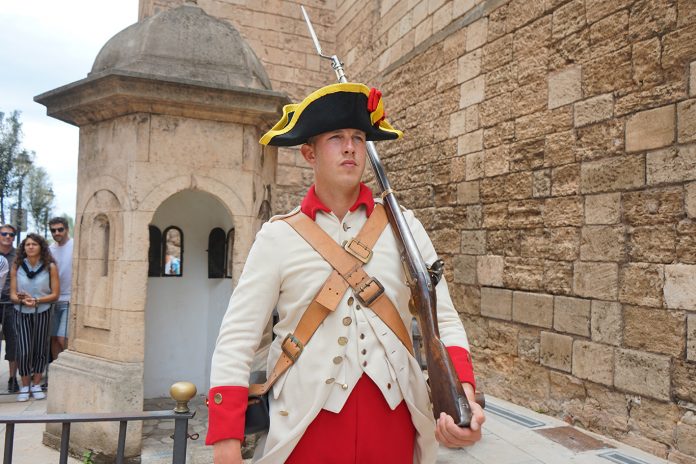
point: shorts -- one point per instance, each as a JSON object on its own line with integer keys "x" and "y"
{"x": 59, "y": 319}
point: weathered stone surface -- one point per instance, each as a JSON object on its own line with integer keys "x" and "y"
{"x": 496, "y": 303}
{"x": 541, "y": 183}
{"x": 684, "y": 380}
{"x": 473, "y": 242}
{"x": 533, "y": 309}
{"x": 474, "y": 165}
{"x": 476, "y": 34}
{"x": 600, "y": 140}
{"x": 686, "y": 242}
{"x": 593, "y": 110}
{"x": 650, "y": 129}
{"x": 556, "y": 351}
{"x": 692, "y": 79}
{"x": 647, "y": 71}
{"x": 652, "y": 244}
{"x": 691, "y": 337}
{"x": 465, "y": 269}
{"x": 568, "y": 18}
{"x": 565, "y": 180}
{"x": 502, "y": 337}
{"x": 680, "y": 286}
{"x": 558, "y": 277}
{"x": 565, "y": 387}
{"x": 653, "y": 207}
{"x": 489, "y": 269}
{"x": 685, "y": 433}
{"x": 523, "y": 273}
{"x": 686, "y": 121}
{"x": 571, "y": 315}
{"x": 602, "y": 243}
{"x": 611, "y": 174}
{"x": 496, "y": 160}
{"x": 496, "y": 110}
{"x": 513, "y": 186}
{"x": 495, "y": 215}
{"x": 641, "y": 284}
{"x": 690, "y": 200}
{"x": 603, "y": 209}
{"x": 496, "y": 54}
{"x": 559, "y": 149}
{"x": 472, "y": 92}
{"x": 654, "y": 420}
{"x": 607, "y": 322}
{"x": 651, "y": 17}
{"x": 671, "y": 165}
{"x": 468, "y": 193}
{"x": 525, "y": 214}
{"x": 469, "y": 66}
{"x": 470, "y": 143}
{"x": 610, "y": 33}
{"x": 593, "y": 362}
{"x": 564, "y": 86}
{"x": 607, "y": 73}
{"x": 642, "y": 373}
{"x": 559, "y": 243}
{"x": 639, "y": 330}
{"x": 598, "y": 9}
{"x": 564, "y": 211}
{"x": 596, "y": 280}
{"x": 526, "y": 155}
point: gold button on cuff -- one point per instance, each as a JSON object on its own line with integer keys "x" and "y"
{"x": 330, "y": 381}
{"x": 347, "y": 321}
{"x": 350, "y": 301}
{"x": 217, "y": 398}
{"x": 344, "y": 386}
{"x": 342, "y": 341}
{"x": 283, "y": 413}
{"x": 338, "y": 360}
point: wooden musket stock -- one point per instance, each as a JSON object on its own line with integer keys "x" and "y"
{"x": 447, "y": 393}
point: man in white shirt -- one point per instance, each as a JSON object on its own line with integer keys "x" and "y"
{"x": 62, "y": 251}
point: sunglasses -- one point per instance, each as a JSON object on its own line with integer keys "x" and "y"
{"x": 5, "y": 234}
{"x": 57, "y": 229}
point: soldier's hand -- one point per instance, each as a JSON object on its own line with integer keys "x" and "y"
{"x": 451, "y": 435}
{"x": 227, "y": 452}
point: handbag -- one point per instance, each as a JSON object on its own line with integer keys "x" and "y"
{"x": 257, "y": 418}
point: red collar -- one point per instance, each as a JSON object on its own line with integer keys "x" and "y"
{"x": 311, "y": 202}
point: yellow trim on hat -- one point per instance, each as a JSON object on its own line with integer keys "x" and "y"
{"x": 282, "y": 126}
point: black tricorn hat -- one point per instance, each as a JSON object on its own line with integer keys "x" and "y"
{"x": 337, "y": 106}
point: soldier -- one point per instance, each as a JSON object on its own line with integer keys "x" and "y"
{"x": 354, "y": 393}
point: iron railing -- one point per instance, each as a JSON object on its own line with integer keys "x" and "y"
{"x": 182, "y": 392}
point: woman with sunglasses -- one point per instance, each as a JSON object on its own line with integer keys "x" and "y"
{"x": 34, "y": 286}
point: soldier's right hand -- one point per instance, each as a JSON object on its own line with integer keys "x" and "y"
{"x": 227, "y": 452}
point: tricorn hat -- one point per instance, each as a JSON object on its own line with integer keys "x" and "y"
{"x": 337, "y": 106}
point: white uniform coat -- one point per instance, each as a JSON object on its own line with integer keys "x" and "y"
{"x": 282, "y": 271}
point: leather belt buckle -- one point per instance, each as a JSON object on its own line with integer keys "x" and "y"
{"x": 295, "y": 351}
{"x": 367, "y": 287}
{"x": 358, "y": 249}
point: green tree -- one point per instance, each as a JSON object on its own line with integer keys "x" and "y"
{"x": 39, "y": 192}
{"x": 10, "y": 149}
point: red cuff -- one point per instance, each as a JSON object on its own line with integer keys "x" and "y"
{"x": 226, "y": 410}
{"x": 461, "y": 360}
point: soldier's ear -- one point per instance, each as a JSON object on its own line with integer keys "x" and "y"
{"x": 308, "y": 153}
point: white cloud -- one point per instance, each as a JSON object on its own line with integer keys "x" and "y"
{"x": 53, "y": 43}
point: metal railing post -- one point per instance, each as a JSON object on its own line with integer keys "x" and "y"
{"x": 9, "y": 443}
{"x": 64, "y": 443}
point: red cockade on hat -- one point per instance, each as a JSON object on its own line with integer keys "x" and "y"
{"x": 373, "y": 103}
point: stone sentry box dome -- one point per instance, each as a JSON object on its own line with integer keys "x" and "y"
{"x": 171, "y": 112}
{"x": 184, "y": 44}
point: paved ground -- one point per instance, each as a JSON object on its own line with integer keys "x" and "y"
{"x": 512, "y": 435}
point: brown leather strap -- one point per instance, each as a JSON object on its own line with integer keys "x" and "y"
{"x": 368, "y": 290}
{"x": 322, "y": 305}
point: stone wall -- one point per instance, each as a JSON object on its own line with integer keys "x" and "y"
{"x": 550, "y": 150}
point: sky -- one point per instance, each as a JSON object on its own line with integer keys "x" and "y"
{"x": 45, "y": 44}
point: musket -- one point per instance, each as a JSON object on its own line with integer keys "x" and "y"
{"x": 446, "y": 390}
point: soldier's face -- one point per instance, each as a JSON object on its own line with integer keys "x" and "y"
{"x": 337, "y": 157}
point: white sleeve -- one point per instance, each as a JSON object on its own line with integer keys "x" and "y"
{"x": 452, "y": 331}
{"x": 4, "y": 270}
{"x": 248, "y": 312}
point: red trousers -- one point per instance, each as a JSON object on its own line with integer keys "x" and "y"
{"x": 366, "y": 431}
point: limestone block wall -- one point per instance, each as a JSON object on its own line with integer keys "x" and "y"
{"x": 550, "y": 150}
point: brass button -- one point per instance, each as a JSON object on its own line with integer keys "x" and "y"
{"x": 364, "y": 351}
{"x": 388, "y": 386}
{"x": 362, "y": 336}
{"x": 347, "y": 321}
{"x": 342, "y": 341}
{"x": 350, "y": 301}
{"x": 283, "y": 413}
{"x": 344, "y": 386}
{"x": 338, "y": 360}
{"x": 358, "y": 307}
{"x": 217, "y": 398}
{"x": 330, "y": 381}
{"x": 364, "y": 363}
